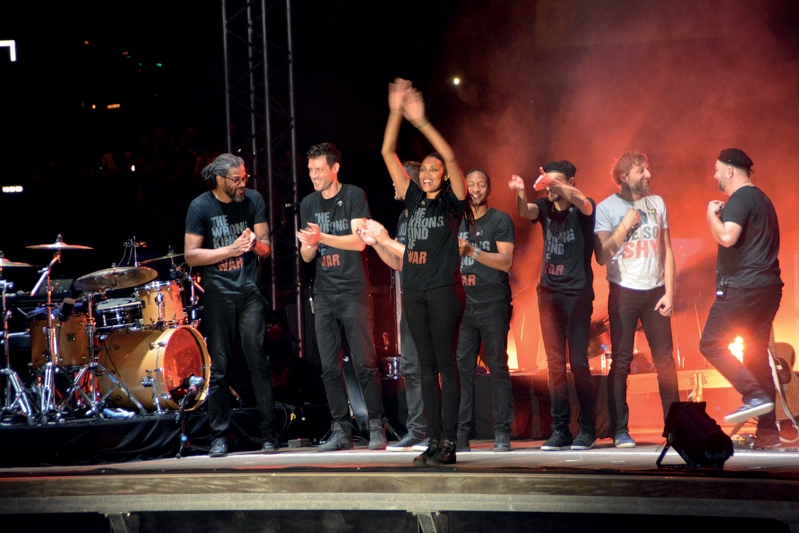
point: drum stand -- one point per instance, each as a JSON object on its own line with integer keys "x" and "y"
{"x": 94, "y": 369}
{"x": 16, "y": 397}
{"x": 47, "y": 388}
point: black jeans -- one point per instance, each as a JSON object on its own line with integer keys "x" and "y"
{"x": 487, "y": 322}
{"x": 747, "y": 313}
{"x": 434, "y": 317}
{"x": 225, "y": 315}
{"x": 565, "y": 321}
{"x": 626, "y": 307}
{"x": 338, "y": 312}
{"x": 412, "y": 374}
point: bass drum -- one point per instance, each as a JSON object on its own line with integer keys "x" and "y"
{"x": 133, "y": 356}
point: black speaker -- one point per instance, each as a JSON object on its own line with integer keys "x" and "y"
{"x": 695, "y": 436}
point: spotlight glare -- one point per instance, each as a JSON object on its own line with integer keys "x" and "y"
{"x": 133, "y": 168}
{"x": 456, "y": 81}
{"x": 12, "y": 189}
{"x": 113, "y": 106}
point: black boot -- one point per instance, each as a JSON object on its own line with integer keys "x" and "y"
{"x": 340, "y": 439}
{"x": 425, "y": 456}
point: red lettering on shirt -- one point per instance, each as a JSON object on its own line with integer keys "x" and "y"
{"x": 232, "y": 263}
{"x": 554, "y": 270}
{"x": 417, "y": 258}
{"x": 469, "y": 280}
{"x": 331, "y": 260}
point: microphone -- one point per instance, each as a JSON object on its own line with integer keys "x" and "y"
{"x": 66, "y": 309}
{"x": 194, "y": 383}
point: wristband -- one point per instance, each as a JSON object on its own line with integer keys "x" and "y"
{"x": 476, "y": 254}
{"x": 422, "y": 124}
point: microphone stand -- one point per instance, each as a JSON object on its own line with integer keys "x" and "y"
{"x": 195, "y": 382}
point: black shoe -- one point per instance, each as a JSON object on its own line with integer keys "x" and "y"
{"x": 445, "y": 455}
{"x": 218, "y": 447}
{"x": 759, "y": 405}
{"x": 340, "y": 439}
{"x": 271, "y": 444}
{"x": 560, "y": 439}
{"x": 502, "y": 442}
{"x": 425, "y": 456}
{"x": 583, "y": 441}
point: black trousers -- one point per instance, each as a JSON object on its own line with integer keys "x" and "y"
{"x": 225, "y": 315}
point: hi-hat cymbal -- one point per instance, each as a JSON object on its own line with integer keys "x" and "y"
{"x": 116, "y": 278}
{"x": 170, "y": 255}
{"x": 59, "y": 244}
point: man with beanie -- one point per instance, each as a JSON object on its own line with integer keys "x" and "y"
{"x": 748, "y": 291}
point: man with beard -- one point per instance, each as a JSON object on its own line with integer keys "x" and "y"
{"x": 331, "y": 217}
{"x": 748, "y": 291}
{"x": 227, "y": 233}
{"x": 632, "y": 239}
{"x": 565, "y": 296}
{"x": 486, "y": 249}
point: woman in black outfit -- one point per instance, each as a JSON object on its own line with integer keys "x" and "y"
{"x": 433, "y": 296}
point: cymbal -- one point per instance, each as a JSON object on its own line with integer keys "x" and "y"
{"x": 59, "y": 244}
{"x": 5, "y": 263}
{"x": 116, "y": 278}
{"x": 170, "y": 255}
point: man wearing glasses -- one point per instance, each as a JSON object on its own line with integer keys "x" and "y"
{"x": 227, "y": 233}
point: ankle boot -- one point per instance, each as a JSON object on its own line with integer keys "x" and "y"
{"x": 340, "y": 439}
{"x": 377, "y": 435}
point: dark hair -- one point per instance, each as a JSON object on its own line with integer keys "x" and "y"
{"x": 220, "y": 167}
{"x": 483, "y": 172}
{"x": 412, "y": 170}
{"x": 329, "y": 150}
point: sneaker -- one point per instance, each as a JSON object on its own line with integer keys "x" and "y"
{"x": 559, "y": 440}
{"x": 406, "y": 443}
{"x": 218, "y": 447}
{"x": 502, "y": 443}
{"x": 584, "y": 441}
{"x": 462, "y": 443}
{"x": 271, "y": 444}
{"x": 427, "y": 454}
{"x": 759, "y": 405}
{"x": 377, "y": 435}
{"x": 445, "y": 455}
{"x": 769, "y": 442}
{"x": 422, "y": 446}
{"x": 340, "y": 438}
{"x": 623, "y": 440}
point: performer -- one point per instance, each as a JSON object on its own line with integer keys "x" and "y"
{"x": 632, "y": 239}
{"x": 565, "y": 296}
{"x": 748, "y": 291}
{"x": 433, "y": 296}
{"x": 391, "y": 251}
{"x": 486, "y": 250}
{"x": 226, "y": 232}
{"x": 330, "y": 216}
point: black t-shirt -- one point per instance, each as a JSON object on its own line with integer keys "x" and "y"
{"x": 402, "y": 227}
{"x": 431, "y": 254}
{"x": 568, "y": 245}
{"x": 338, "y": 270}
{"x": 220, "y": 224}
{"x": 752, "y": 261}
{"x": 482, "y": 283}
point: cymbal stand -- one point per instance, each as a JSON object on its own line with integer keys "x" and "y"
{"x": 194, "y": 317}
{"x": 47, "y": 389}
{"x": 95, "y": 369}
{"x": 14, "y": 387}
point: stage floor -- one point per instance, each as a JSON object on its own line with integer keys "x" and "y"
{"x": 361, "y": 490}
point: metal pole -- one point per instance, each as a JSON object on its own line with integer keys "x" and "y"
{"x": 227, "y": 76}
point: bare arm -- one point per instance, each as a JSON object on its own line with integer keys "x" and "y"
{"x": 311, "y": 236}
{"x": 389, "y": 250}
{"x": 502, "y": 259}
{"x": 526, "y": 210}
{"x": 725, "y": 233}
{"x": 665, "y": 305}
{"x": 262, "y": 245}
{"x": 607, "y": 243}
{"x": 396, "y": 95}
{"x": 569, "y": 192}
{"x": 414, "y": 111}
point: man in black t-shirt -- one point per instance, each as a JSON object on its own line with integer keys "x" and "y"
{"x": 565, "y": 296}
{"x": 227, "y": 232}
{"x": 748, "y": 291}
{"x": 486, "y": 249}
{"x": 342, "y": 293}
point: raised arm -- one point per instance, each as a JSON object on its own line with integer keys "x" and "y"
{"x": 526, "y": 210}
{"x": 414, "y": 111}
{"x": 564, "y": 190}
{"x": 396, "y": 95}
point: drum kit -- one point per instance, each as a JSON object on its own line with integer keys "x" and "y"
{"x": 96, "y": 356}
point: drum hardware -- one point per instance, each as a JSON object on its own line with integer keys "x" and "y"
{"x": 134, "y": 245}
{"x": 16, "y": 397}
{"x": 194, "y": 383}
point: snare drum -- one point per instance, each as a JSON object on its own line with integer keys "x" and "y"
{"x": 172, "y": 303}
{"x": 155, "y": 361}
{"x": 73, "y": 343}
{"x": 116, "y": 313}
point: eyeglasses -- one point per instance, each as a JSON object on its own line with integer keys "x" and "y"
{"x": 239, "y": 181}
